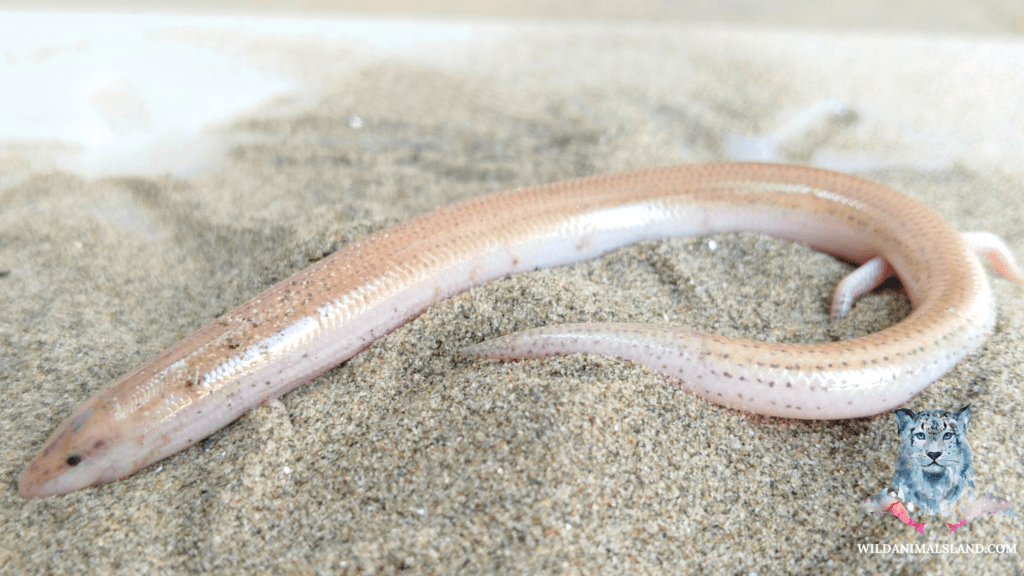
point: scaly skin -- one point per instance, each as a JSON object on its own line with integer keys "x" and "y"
{"x": 326, "y": 314}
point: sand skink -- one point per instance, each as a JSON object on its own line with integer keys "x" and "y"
{"x": 329, "y": 312}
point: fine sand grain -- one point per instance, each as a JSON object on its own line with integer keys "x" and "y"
{"x": 408, "y": 459}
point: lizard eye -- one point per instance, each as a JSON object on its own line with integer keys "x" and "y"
{"x": 73, "y": 459}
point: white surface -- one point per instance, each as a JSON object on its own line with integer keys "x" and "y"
{"x": 149, "y": 94}
{"x": 143, "y": 94}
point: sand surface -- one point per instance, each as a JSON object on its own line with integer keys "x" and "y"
{"x": 407, "y": 459}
